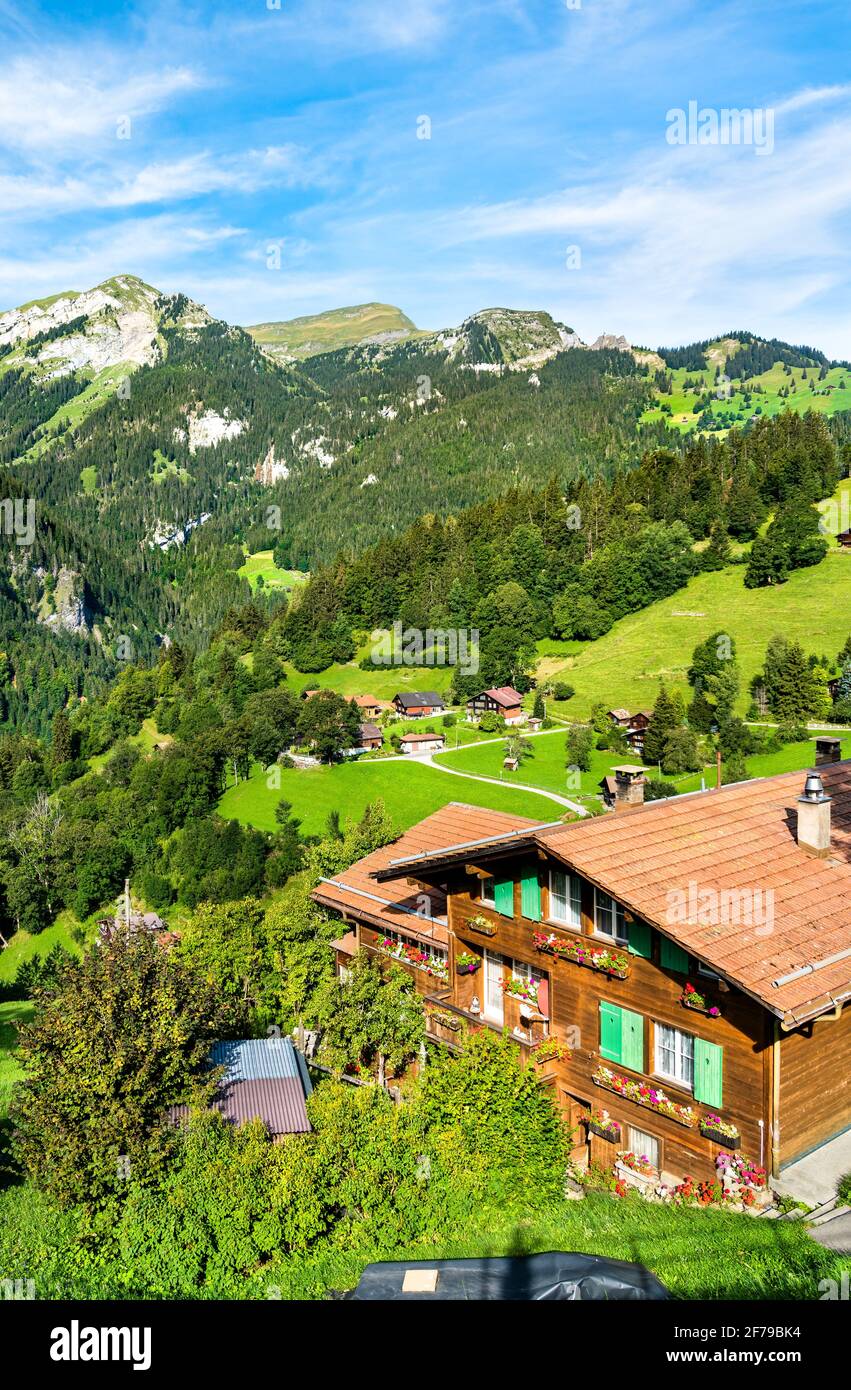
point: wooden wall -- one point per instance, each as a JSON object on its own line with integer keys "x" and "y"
{"x": 815, "y": 1084}
{"x": 575, "y": 996}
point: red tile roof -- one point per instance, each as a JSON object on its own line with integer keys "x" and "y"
{"x": 505, "y": 695}
{"x": 739, "y": 841}
{"x": 356, "y": 893}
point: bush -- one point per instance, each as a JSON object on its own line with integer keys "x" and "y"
{"x": 450, "y": 720}
{"x": 563, "y": 691}
{"x": 658, "y": 790}
{"x": 843, "y": 1190}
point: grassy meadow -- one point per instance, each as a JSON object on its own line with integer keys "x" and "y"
{"x": 409, "y": 790}
{"x": 625, "y": 667}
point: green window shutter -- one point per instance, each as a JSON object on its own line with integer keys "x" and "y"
{"x": 610, "y": 1031}
{"x": 708, "y": 1070}
{"x": 632, "y": 1040}
{"x": 530, "y": 898}
{"x": 640, "y": 939}
{"x": 674, "y": 957}
{"x": 503, "y": 898}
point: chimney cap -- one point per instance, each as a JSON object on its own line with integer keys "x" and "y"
{"x": 814, "y": 789}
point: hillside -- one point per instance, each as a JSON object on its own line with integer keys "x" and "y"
{"x": 624, "y": 667}
{"x": 295, "y": 339}
{"x": 724, "y": 382}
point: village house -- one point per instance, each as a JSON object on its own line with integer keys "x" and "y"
{"x": 418, "y": 704}
{"x": 422, "y": 743}
{"x": 683, "y": 966}
{"x": 632, "y": 726}
{"x": 502, "y": 700}
{"x": 370, "y": 736}
{"x": 370, "y": 707}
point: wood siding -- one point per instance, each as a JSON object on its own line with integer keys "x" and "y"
{"x": 815, "y": 1085}
{"x": 576, "y": 993}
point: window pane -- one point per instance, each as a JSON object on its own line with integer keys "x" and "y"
{"x": 643, "y": 1145}
{"x": 487, "y": 891}
{"x": 674, "y": 1054}
{"x": 603, "y": 914}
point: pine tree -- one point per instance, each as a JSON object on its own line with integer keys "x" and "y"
{"x": 662, "y": 722}
{"x": 63, "y": 744}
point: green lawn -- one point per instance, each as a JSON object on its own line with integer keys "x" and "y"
{"x": 380, "y": 681}
{"x": 22, "y": 946}
{"x": 11, "y": 1015}
{"x": 626, "y": 666}
{"x": 697, "y": 1254}
{"x": 260, "y": 565}
{"x": 547, "y": 766}
{"x": 409, "y": 790}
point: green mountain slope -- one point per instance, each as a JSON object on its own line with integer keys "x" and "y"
{"x": 295, "y": 339}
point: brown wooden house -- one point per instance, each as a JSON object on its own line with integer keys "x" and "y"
{"x": 503, "y": 700}
{"x": 693, "y": 957}
{"x": 418, "y": 704}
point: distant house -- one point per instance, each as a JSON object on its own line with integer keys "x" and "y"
{"x": 844, "y": 539}
{"x": 502, "y": 699}
{"x": 422, "y": 743}
{"x": 621, "y": 717}
{"x": 371, "y": 708}
{"x": 637, "y": 730}
{"x": 418, "y": 704}
{"x": 370, "y": 736}
{"x": 264, "y": 1079}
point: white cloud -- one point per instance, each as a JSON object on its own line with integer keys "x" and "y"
{"x": 52, "y": 102}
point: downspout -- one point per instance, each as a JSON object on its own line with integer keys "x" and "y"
{"x": 775, "y": 1101}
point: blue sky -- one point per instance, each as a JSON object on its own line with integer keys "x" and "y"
{"x": 181, "y": 142}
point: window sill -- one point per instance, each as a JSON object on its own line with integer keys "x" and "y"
{"x": 671, "y": 1081}
{"x": 621, "y": 942}
{"x": 562, "y": 926}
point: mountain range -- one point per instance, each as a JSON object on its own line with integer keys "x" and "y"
{"x": 160, "y": 445}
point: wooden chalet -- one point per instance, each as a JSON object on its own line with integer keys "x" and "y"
{"x": 371, "y": 708}
{"x": 370, "y": 736}
{"x": 686, "y": 959}
{"x": 418, "y": 704}
{"x": 844, "y": 539}
{"x": 502, "y": 699}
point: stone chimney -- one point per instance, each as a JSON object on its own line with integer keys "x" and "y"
{"x": 630, "y": 781}
{"x": 814, "y": 817}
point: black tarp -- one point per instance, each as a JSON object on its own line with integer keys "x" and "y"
{"x": 554, "y": 1275}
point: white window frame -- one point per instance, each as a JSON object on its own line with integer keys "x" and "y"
{"x": 571, "y": 897}
{"x": 487, "y": 892}
{"x": 679, "y": 1047}
{"x": 705, "y": 971}
{"x": 616, "y": 914}
{"x": 647, "y": 1147}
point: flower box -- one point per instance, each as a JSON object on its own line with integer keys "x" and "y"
{"x": 606, "y": 1132}
{"x": 646, "y": 1095}
{"x": 549, "y": 1051}
{"x": 691, "y": 998}
{"x": 450, "y": 1021}
{"x": 467, "y": 964}
{"x": 524, "y": 991}
{"x": 413, "y": 955}
{"x": 481, "y": 924}
{"x": 612, "y": 963}
{"x": 720, "y": 1132}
